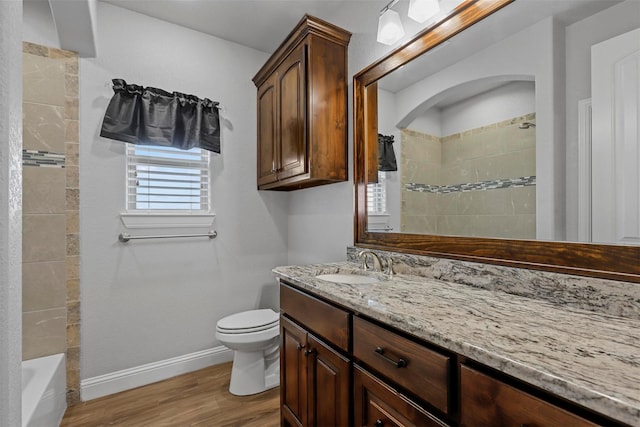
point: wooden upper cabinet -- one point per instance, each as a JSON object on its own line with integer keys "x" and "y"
{"x": 267, "y": 132}
{"x": 302, "y": 109}
{"x": 292, "y": 123}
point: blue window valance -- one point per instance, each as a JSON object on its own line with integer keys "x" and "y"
{"x": 152, "y": 116}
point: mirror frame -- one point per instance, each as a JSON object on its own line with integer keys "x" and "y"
{"x": 617, "y": 262}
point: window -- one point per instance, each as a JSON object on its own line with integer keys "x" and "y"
{"x": 377, "y": 196}
{"x": 167, "y": 179}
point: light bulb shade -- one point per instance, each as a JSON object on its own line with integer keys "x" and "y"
{"x": 389, "y": 27}
{"x": 421, "y": 10}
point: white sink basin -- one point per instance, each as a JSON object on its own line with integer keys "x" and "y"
{"x": 350, "y": 279}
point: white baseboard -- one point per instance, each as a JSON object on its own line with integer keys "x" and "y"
{"x": 126, "y": 379}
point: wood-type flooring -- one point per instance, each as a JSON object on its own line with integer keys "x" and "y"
{"x": 199, "y": 398}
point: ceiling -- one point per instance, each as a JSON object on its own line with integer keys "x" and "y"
{"x": 506, "y": 22}
{"x": 260, "y": 24}
{"x": 264, "y": 24}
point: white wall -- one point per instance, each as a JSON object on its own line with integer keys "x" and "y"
{"x": 38, "y": 26}
{"x": 580, "y": 37}
{"x": 10, "y": 213}
{"x": 503, "y": 103}
{"x": 151, "y": 300}
{"x": 430, "y": 122}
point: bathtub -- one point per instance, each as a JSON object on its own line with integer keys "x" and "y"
{"x": 44, "y": 390}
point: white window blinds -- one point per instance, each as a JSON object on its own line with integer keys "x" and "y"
{"x": 377, "y": 196}
{"x": 167, "y": 179}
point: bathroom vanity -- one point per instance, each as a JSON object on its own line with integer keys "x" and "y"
{"x": 413, "y": 350}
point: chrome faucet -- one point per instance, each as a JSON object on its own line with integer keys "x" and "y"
{"x": 377, "y": 265}
{"x": 389, "y": 271}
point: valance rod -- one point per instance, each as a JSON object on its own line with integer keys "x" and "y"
{"x": 220, "y": 106}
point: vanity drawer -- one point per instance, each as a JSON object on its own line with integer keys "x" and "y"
{"x": 377, "y": 404}
{"x": 488, "y": 401}
{"x": 327, "y": 321}
{"x": 420, "y": 370}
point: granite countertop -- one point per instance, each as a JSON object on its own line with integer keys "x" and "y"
{"x": 589, "y": 358}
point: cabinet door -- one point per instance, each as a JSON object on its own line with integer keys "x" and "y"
{"x": 329, "y": 386}
{"x": 293, "y": 373}
{"x": 378, "y": 405}
{"x": 292, "y": 97}
{"x": 488, "y": 401}
{"x": 267, "y": 132}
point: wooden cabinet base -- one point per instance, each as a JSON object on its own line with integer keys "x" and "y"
{"x": 487, "y": 401}
{"x": 378, "y": 405}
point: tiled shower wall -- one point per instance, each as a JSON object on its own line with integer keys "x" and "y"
{"x": 477, "y": 183}
{"x": 51, "y": 308}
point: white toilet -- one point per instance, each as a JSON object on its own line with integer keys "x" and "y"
{"x": 254, "y": 337}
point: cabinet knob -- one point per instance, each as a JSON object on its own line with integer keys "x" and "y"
{"x": 309, "y": 351}
{"x": 300, "y": 347}
{"x": 378, "y": 423}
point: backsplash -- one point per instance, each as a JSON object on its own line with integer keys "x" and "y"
{"x": 611, "y": 297}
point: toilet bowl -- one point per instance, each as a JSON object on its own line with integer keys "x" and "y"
{"x": 254, "y": 338}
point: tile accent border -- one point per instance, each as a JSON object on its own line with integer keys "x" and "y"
{"x": 494, "y": 184}
{"x": 68, "y": 161}
{"x": 42, "y": 159}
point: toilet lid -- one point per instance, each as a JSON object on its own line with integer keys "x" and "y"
{"x": 249, "y": 321}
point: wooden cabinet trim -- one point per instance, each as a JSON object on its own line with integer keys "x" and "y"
{"x": 486, "y": 400}
{"x": 416, "y": 368}
{"x": 307, "y": 25}
{"x": 371, "y": 394}
{"x": 293, "y": 374}
{"x": 329, "y": 375}
{"x": 291, "y": 137}
{"x": 327, "y": 321}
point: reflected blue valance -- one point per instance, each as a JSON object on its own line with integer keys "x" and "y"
{"x": 152, "y": 116}
{"x": 386, "y": 155}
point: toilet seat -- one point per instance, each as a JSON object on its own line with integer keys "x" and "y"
{"x": 248, "y": 322}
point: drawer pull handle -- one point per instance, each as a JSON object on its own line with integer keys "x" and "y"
{"x": 378, "y": 423}
{"x": 401, "y": 363}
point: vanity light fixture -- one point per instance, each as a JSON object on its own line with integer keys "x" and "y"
{"x": 421, "y": 10}
{"x": 389, "y": 26}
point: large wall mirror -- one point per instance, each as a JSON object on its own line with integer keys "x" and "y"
{"x": 507, "y": 132}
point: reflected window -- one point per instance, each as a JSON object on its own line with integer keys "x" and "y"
{"x": 377, "y": 196}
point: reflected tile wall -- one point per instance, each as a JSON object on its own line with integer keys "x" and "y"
{"x": 51, "y": 289}
{"x": 480, "y": 182}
